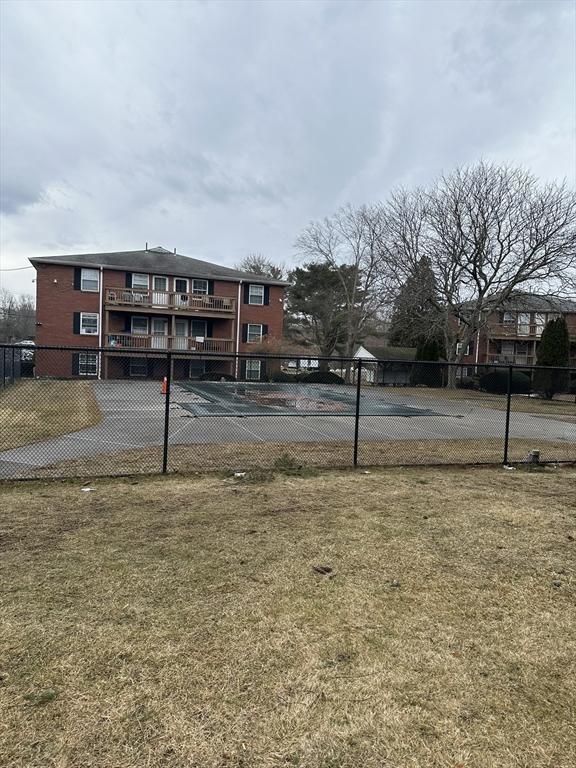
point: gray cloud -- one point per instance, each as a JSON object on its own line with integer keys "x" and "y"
{"x": 223, "y": 128}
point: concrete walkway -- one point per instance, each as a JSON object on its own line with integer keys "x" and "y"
{"x": 133, "y": 417}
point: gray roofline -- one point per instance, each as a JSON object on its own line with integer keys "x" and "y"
{"x": 236, "y": 276}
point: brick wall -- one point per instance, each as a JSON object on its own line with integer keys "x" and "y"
{"x": 57, "y": 300}
{"x": 271, "y": 315}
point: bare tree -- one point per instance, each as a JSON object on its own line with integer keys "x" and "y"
{"x": 487, "y": 231}
{"x": 350, "y": 239}
{"x": 258, "y": 264}
{"x": 17, "y": 317}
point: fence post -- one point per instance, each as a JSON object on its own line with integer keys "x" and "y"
{"x": 357, "y": 418}
{"x": 508, "y": 402}
{"x": 167, "y": 412}
{"x": 3, "y": 367}
{"x": 13, "y": 368}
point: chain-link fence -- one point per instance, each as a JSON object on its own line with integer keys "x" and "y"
{"x": 89, "y": 412}
{"x": 12, "y": 362}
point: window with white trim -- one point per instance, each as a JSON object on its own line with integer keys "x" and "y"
{"x": 88, "y": 323}
{"x": 459, "y": 346}
{"x": 90, "y": 280}
{"x": 253, "y": 368}
{"x": 199, "y": 286}
{"x": 256, "y": 294}
{"x": 87, "y": 364}
{"x": 140, "y": 325}
{"x": 254, "y": 332}
{"x": 139, "y": 281}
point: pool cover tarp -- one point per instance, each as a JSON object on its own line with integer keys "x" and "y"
{"x": 264, "y": 399}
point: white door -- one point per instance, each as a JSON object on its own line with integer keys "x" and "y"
{"x": 181, "y": 340}
{"x": 159, "y": 291}
{"x": 181, "y": 290}
{"x": 540, "y": 320}
{"x": 523, "y": 323}
{"x": 159, "y": 333}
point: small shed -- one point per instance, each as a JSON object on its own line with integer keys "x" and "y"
{"x": 387, "y": 366}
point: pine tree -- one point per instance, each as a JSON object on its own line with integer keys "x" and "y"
{"x": 428, "y": 375}
{"x": 553, "y": 350}
{"x": 416, "y": 317}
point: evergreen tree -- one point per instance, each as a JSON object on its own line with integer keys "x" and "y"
{"x": 416, "y": 317}
{"x": 553, "y": 350}
{"x": 427, "y": 375}
{"x": 317, "y": 306}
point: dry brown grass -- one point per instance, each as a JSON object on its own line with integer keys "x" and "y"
{"x": 179, "y": 622}
{"x": 561, "y": 405}
{"x": 239, "y": 456}
{"x": 31, "y": 411}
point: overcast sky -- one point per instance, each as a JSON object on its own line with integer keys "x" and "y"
{"x": 222, "y": 128}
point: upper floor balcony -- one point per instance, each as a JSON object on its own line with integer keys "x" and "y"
{"x": 520, "y": 330}
{"x": 170, "y": 301}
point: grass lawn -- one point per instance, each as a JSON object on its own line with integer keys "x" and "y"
{"x": 239, "y": 456}
{"x": 561, "y": 405}
{"x": 397, "y": 619}
{"x": 39, "y": 409}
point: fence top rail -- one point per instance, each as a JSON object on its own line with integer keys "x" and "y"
{"x": 286, "y": 356}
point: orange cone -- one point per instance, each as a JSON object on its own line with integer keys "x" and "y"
{"x": 164, "y": 385}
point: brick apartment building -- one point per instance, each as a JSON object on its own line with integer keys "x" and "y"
{"x": 511, "y": 335}
{"x": 151, "y": 301}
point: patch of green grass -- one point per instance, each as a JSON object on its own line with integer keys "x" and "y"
{"x": 39, "y": 698}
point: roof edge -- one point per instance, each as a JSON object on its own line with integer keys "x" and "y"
{"x": 71, "y": 262}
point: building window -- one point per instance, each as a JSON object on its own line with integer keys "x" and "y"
{"x": 199, "y": 286}
{"x": 509, "y": 318}
{"x": 254, "y": 332}
{"x": 139, "y": 281}
{"x": 88, "y": 323}
{"x": 87, "y": 365}
{"x": 468, "y": 350}
{"x": 256, "y": 294}
{"x": 140, "y": 326}
{"x": 253, "y": 369}
{"x": 90, "y": 280}
{"x": 138, "y": 366}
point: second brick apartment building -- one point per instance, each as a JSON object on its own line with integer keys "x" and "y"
{"x": 151, "y": 301}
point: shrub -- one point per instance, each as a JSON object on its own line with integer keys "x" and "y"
{"x": 497, "y": 382}
{"x": 217, "y": 376}
{"x": 553, "y": 350}
{"x": 281, "y": 377}
{"x": 426, "y": 375}
{"x": 321, "y": 377}
{"x": 468, "y": 382}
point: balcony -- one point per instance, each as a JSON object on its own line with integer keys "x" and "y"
{"x": 512, "y": 359}
{"x": 132, "y": 341}
{"x": 515, "y": 330}
{"x": 519, "y": 331}
{"x": 169, "y": 301}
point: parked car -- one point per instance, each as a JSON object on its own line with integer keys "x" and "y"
{"x": 26, "y": 354}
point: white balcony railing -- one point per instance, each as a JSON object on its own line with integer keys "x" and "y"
{"x": 170, "y": 300}
{"x": 131, "y": 341}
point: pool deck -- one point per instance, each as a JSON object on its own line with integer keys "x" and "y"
{"x": 133, "y": 417}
